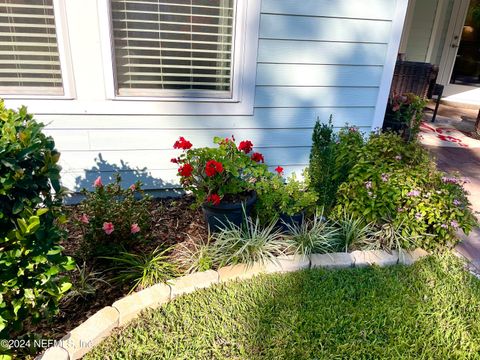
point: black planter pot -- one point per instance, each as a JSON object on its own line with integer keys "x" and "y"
{"x": 217, "y": 217}
{"x": 292, "y": 220}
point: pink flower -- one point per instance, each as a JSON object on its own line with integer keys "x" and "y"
{"x": 454, "y": 224}
{"x": 108, "y": 227}
{"x": 134, "y": 228}
{"x": 84, "y": 219}
{"x": 457, "y": 202}
{"x": 368, "y": 184}
{"x": 385, "y": 177}
{"x": 133, "y": 187}
{"x": 398, "y": 157}
{"x": 98, "y": 182}
{"x": 413, "y": 193}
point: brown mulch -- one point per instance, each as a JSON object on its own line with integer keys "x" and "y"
{"x": 174, "y": 221}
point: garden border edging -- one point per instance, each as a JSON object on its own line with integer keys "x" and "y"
{"x": 82, "y": 339}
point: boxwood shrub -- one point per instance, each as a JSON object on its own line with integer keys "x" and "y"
{"x": 32, "y": 267}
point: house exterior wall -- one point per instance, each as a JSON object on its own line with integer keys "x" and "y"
{"x": 315, "y": 58}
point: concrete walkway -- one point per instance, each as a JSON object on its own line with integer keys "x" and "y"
{"x": 466, "y": 161}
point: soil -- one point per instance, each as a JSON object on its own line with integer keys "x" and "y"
{"x": 174, "y": 221}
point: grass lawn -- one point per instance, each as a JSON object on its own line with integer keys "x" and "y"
{"x": 428, "y": 311}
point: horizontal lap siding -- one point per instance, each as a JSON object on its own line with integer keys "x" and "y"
{"x": 315, "y": 58}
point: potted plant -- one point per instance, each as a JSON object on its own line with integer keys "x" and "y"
{"x": 221, "y": 178}
{"x": 404, "y": 115}
{"x": 286, "y": 201}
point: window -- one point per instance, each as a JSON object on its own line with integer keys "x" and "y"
{"x": 200, "y": 51}
{"x": 29, "y": 55}
{"x": 173, "y": 45}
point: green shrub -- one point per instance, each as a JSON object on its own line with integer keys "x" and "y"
{"x": 396, "y": 182}
{"x": 113, "y": 219}
{"x": 142, "y": 270}
{"x": 404, "y": 115}
{"x": 32, "y": 267}
{"x": 277, "y": 196}
{"x": 331, "y": 158}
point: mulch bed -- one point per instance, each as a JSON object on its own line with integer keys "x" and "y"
{"x": 174, "y": 221}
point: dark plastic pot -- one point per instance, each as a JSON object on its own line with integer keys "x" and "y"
{"x": 292, "y": 220}
{"x": 217, "y": 217}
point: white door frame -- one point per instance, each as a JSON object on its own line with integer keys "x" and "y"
{"x": 452, "y": 40}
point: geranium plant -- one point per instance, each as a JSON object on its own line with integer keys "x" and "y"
{"x": 405, "y": 111}
{"x": 226, "y": 173}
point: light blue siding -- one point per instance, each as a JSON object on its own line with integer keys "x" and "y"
{"x": 315, "y": 58}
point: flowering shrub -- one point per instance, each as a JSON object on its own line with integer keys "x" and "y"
{"x": 112, "y": 219}
{"x": 404, "y": 114}
{"x": 396, "y": 182}
{"x": 224, "y": 173}
{"x": 32, "y": 268}
{"x": 277, "y": 196}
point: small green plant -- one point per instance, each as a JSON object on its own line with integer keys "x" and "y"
{"x": 279, "y": 197}
{"x": 404, "y": 114}
{"x": 85, "y": 282}
{"x": 331, "y": 158}
{"x": 142, "y": 270}
{"x": 194, "y": 256}
{"x": 389, "y": 236}
{"x": 113, "y": 218}
{"x": 351, "y": 231}
{"x": 33, "y": 271}
{"x": 314, "y": 235}
{"x": 247, "y": 244}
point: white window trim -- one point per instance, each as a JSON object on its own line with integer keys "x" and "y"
{"x": 242, "y": 99}
{"x": 65, "y": 58}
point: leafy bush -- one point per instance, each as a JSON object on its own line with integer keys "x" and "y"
{"x": 142, "y": 270}
{"x": 331, "y": 158}
{"x": 404, "y": 115}
{"x": 32, "y": 267}
{"x": 113, "y": 219}
{"x": 312, "y": 236}
{"x": 396, "y": 182}
{"x": 247, "y": 244}
{"x": 277, "y": 196}
{"x": 224, "y": 173}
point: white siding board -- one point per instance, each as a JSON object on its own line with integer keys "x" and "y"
{"x": 367, "y": 9}
{"x": 318, "y": 52}
{"x": 325, "y": 29}
{"x": 267, "y": 96}
{"x": 264, "y": 118}
{"x": 318, "y": 75}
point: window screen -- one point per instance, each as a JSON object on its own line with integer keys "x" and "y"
{"x": 180, "y": 45}
{"x": 29, "y": 59}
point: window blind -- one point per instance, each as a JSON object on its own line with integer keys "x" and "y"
{"x": 180, "y": 45}
{"x": 29, "y": 59}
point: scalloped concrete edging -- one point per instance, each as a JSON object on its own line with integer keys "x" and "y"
{"x": 91, "y": 332}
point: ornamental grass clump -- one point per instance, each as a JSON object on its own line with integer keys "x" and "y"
{"x": 226, "y": 173}
{"x": 247, "y": 244}
{"x": 33, "y": 271}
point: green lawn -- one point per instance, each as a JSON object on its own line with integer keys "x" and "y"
{"x": 428, "y": 311}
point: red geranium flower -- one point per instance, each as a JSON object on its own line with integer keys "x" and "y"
{"x": 185, "y": 170}
{"x": 279, "y": 170}
{"x": 213, "y": 167}
{"x": 213, "y": 199}
{"x": 174, "y": 160}
{"x": 257, "y": 157}
{"x": 183, "y": 144}
{"x": 245, "y": 146}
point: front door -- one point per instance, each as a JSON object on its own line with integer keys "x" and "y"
{"x": 460, "y": 64}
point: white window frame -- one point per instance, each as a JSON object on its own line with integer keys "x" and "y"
{"x": 65, "y": 59}
{"x": 241, "y": 101}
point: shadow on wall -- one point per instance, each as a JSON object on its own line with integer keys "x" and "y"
{"x": 152, "y": 185}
